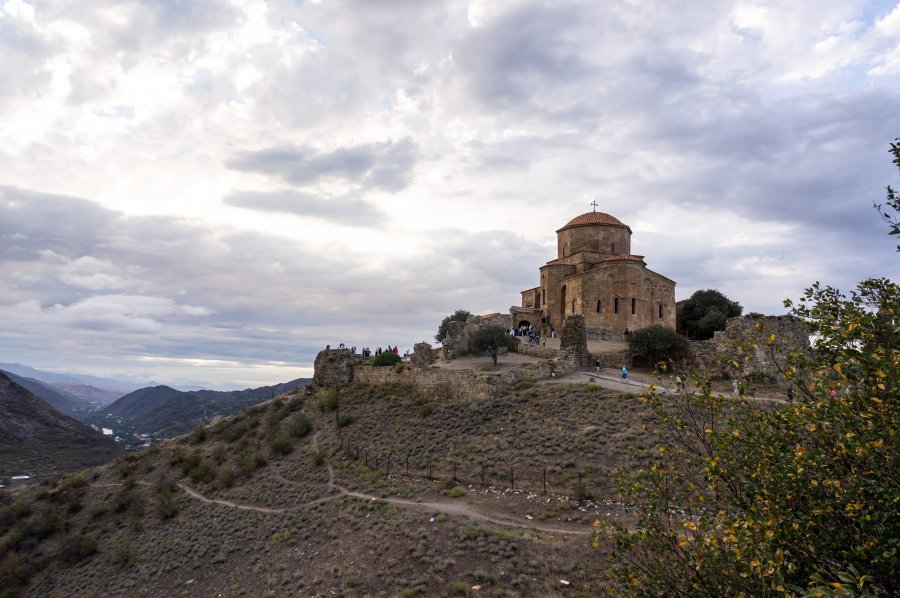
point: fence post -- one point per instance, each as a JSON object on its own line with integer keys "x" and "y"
{"x": 482, "y": 473}
{"x": 407, "y": 464}
{"x": 545, "y": 481}
{"x": 429, "y": 467}
{"x": 387, "y": 470}
{"x": 454, "y": 471}
{"x": 512, "y": 476}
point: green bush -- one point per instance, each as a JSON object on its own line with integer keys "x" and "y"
{"x": 204, "y": 471}
{"x": 282, "y": 443}
{"x": 705, "y": 312}
{"x": 657, "y": 343}
{"x": 329, "y": 400}
{"x": 386, "y": 358}
{"x": 346, "y": 420}
{"x": 426, "y": 410}
{"x": 76, "y": 547}
{"x": 300, "y": 425}
{"x": 457, "y": 492}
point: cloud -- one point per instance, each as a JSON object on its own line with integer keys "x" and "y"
{"x": 341, "y": 210}
{"x": 386, "y": 166}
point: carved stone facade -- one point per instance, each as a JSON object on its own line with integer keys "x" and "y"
{"x": 596, "y": 276}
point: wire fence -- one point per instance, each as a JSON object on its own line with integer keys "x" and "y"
{"x": 538, "y": 478}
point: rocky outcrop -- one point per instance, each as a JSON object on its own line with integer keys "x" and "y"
{"x": 422, "y": 355}
{"x": 333, "y": 368}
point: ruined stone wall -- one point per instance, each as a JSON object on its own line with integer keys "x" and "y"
{"x": 717, "y": 357}
{"x": 462, "y": 385}
{"x": 333, "y": 367}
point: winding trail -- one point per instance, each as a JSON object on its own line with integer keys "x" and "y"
{"x": 460, "y": 509}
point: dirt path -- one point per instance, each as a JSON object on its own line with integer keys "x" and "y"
{"x": 460, "y": 509}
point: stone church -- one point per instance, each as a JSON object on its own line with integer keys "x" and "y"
{"x": 596, "y": 275}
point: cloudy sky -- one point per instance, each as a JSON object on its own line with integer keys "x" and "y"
{"x": 209, "y": 191}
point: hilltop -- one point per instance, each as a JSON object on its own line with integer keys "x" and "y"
{"x": 38, "y": 440}
{"x": 315, "y": 493}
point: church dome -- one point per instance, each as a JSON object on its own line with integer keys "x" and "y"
{"x": 594, "y": 219}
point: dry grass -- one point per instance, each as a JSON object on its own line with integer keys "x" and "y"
{"x": 125, "y": 529}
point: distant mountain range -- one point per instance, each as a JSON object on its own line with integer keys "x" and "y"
{"x": 38, "y": 440}
{"x": 109, "y": 384}
{"x": 164, "y": 411}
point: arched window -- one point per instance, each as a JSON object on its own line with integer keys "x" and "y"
{"x": 616, "y": 305}
{"x": 543, "y": 297}
{"x": 573, "y": 306}
{"x": 562, "y": 299}
{"x": 633, "y": 305}
{"x": 599, "y": 305}
{"x": 660, "y": 311}
{"x": 612, "y": 249}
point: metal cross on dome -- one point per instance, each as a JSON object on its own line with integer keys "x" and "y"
{"x": 594, "y": 203}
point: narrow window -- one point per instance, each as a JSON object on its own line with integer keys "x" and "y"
{"x": 612, "y": 249}
{"x": 660, "y": 311}
{"x": 543, "y": 297}
{"x": 616, "y": 305}
{"x": 633, "y": 305}
{"x": 599, "y": 305}
{"x": 573, "y": 306}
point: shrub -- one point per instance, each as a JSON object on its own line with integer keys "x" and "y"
{"x": 345, "y": 420}
{"x": 318, "y": 457}
{"x": 457, "y": 492}
{"x": 204, "y": 471}
{"x": 657, "y": 343}
{"x": 386, "y": 358}
{"x": 281, "y": 443}
{"x": 329, "y": 400}
{"x": 76, "y": 547}
{"x": 300, "y": 425}
{"x": 493, "y": 338}
{"x": 198, "y": 435}
{"x": 426, "y": 410}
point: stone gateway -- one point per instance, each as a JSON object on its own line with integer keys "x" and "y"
{"x": 595, "y": 275}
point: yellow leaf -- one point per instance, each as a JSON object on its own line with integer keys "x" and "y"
{"x": 837, "y": 368}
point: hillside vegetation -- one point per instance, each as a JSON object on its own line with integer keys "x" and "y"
{"x": 38, "y": 440}
{"x": 297, "y": 496}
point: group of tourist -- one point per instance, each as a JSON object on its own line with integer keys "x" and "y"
{"x": 534, "y": 337}
{"x": 367, "y": 352}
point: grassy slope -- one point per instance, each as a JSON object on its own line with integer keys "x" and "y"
{"x": 153, "y": 539}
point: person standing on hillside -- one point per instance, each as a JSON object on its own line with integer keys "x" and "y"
{"x": 598, "y": 364}
{"x": 624, "y": 373}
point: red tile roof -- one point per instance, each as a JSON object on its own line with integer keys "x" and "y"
{"x": 593, "y": 219}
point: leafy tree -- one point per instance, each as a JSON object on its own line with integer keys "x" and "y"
{"x": 799, "y": 499}
{"x": 705, "y": 312}
{"x": 657, "y": 343}
{"x": 460, "y": 315}
{"x": 493, "y": 338}
{"x": 893, "y": 198}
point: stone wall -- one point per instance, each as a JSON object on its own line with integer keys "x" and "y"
{"x": 463, "y": 385}
{"x": 717, "y": 357}
{"x": 336, "y": 368}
